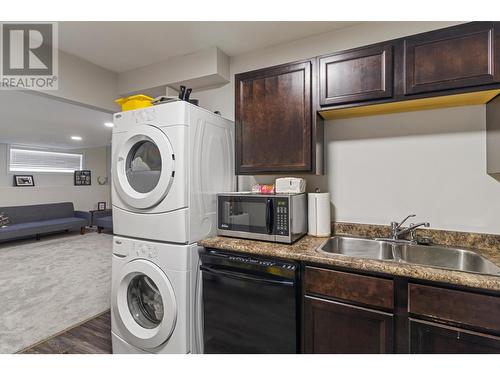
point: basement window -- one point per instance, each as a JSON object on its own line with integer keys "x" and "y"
{"x": 26, "y": 160}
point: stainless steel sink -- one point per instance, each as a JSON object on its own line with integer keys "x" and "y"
{"x": 358, "y": 247}
{"x": 434, "y": 256}
{"x": 445, "y": 257}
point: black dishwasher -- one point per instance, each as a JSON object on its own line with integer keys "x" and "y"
{"x": 249, "y": 304}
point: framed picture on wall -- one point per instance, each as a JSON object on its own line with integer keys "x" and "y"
{"x": 23, "y": 180}
{"x": 101, "y": 206}
{"x": 82, "y": 178}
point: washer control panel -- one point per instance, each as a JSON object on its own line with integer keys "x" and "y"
{"x": 145, "y": 250}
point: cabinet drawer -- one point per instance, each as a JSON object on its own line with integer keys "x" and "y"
{"x": 468, "y": 308}
{"x": 367, "y": 290}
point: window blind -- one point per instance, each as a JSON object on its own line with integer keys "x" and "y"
{"x": 23, "y": 160}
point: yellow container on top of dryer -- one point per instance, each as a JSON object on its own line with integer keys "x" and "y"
{"x": 134, "y": 102}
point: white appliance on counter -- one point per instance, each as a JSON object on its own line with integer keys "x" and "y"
{"x": 290, "y": 185}
{"x": 168, "y": 163}
{"x": 318, "y": 213}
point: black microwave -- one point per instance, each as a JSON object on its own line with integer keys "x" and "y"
{"x": 267, "y": 217}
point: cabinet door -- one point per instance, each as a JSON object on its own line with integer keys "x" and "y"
{"x": 433, "y": 338}
{"x": 451, "y": 58}
{"x": 337, "y": 328}
{"x": 356, "y": 76}
{"x": 273, "y": 114}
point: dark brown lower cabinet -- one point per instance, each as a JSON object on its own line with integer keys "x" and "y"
{"x": 337, "y": 328}
{"x": 433, "y": 338}
{"x": 351, "y": 313}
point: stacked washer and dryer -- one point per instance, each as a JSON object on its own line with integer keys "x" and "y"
{"x": 168, "y": 163}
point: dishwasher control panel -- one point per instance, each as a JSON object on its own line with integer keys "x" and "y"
{"x": 261, "y": 262}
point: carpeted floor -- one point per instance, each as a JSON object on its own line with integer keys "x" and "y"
{"x": 49, "y": 285}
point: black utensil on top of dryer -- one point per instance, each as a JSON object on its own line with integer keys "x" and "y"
{"x": 187, "y": 94}
{"x": 182, "y": 92}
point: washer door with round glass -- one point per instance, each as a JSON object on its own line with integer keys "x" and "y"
{"x": 144, "y": 304}
{"x": 144, "y": 166}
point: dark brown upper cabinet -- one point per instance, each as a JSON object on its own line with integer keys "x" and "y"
{"x": 457, "y": 57}
{"x": 358, "y": 75}
{"x": 279, "y": 111}
{"x": 275, "y": 128}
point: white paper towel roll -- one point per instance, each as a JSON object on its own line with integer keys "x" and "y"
{"x": 318, "y": 212}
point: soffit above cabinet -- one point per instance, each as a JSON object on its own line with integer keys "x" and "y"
{"x": 208, "y": 68}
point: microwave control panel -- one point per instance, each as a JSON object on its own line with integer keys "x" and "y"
{"x": 281, "y": 218}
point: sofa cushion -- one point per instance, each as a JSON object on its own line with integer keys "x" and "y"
{"x": 40, "y": 227}
{"x": 38, "y": 212}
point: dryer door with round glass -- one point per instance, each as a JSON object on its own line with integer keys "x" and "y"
{"x": 144, "y": 304}
{"x": 144, "y": 167}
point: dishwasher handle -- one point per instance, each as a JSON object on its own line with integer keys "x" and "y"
{"x": 244, "y": 276}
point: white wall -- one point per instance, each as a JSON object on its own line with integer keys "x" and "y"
{"x": 431, "y": 163}
{"x": 50, "y": 187}
{"x": 85, "y": 83}
{"x": 381, "y": 168}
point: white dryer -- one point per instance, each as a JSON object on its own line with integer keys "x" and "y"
{"x": 155, "y": 298}
{"x": 168, "y": 163}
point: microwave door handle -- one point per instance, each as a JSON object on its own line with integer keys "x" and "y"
{"x": 269, "y": 215}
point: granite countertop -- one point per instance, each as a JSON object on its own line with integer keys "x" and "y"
{"x": 305, "y": 250}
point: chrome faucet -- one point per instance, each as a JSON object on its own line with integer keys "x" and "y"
{"x": 397, "y": 231}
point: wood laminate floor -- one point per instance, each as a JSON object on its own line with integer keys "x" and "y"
{"x": 91, "y": 337}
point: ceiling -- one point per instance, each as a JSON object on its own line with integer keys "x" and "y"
{"x": 122, "y": 46}
{"x": 30, "y": 119}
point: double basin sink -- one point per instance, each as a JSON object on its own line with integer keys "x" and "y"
{"x": 433, "y": 256}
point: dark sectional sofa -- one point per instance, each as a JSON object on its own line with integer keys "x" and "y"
{"x": 35, "y": 220}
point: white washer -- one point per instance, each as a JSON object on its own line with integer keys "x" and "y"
{"x": 155, "y": 298}
{"x": 168, "y": 163}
